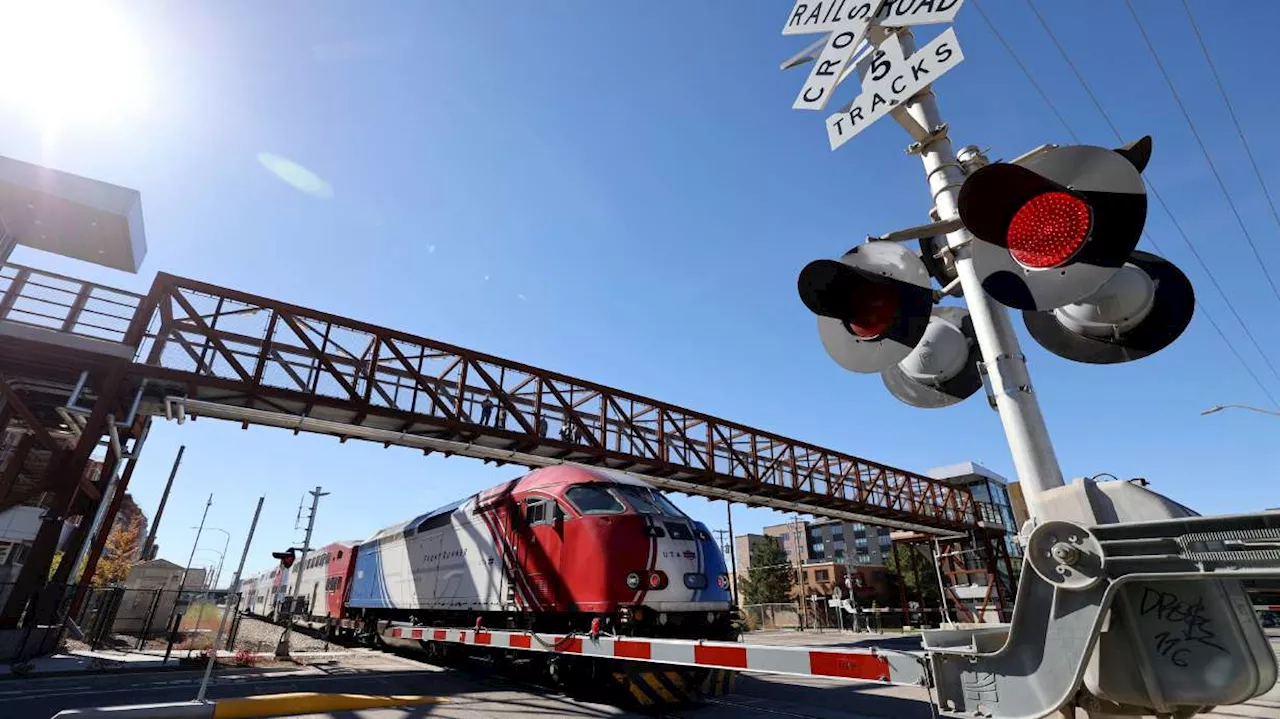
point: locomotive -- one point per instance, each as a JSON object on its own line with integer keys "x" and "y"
{"x": 549, "y": 551}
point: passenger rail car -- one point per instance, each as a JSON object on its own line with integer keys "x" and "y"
{"x": 550, "y": 551}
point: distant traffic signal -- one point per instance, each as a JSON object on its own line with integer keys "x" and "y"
{"x": 872, "y": 305}
{"x": 1052, "y": 230}
{"x": 286, "y": 558}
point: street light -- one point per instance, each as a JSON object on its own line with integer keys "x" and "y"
{"x": 1220, "y": 407}
{"x": 209, "y": 574}
{"x": 218, "y": 572}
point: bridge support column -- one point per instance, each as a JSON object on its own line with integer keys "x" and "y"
{"x": 108, "y": 520}
{"x": 67, "y": 470}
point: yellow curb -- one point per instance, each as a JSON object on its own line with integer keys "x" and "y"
{"x": 270, "y": 705}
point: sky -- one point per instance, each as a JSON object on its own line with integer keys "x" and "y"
{"x": 621, "y": 192}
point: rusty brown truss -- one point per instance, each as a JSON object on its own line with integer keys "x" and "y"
{"x": 250, "y": 355}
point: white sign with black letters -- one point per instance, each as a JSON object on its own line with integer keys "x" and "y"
{"x": 890, "y": 79}
{"x": 815, "y": 16}
{"x": 901, "y": 13}
{"x": 847, "y": 21}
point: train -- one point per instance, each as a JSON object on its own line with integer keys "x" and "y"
{"x": 559, "y": 549}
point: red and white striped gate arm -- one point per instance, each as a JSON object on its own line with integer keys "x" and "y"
{"x": 865, "y": 665}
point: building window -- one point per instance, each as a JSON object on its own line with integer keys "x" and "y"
{"x": 860, "y": 542}
{"x": 820, "y": 575}
{"x": 838, "y": 545}
{"x": 885, "y": 541}
{"x": 864, "y": 558}
{"x": 785, "y": 540}
{"x": 838, "y": 554}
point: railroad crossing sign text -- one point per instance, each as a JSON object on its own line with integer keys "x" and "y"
{"x": 890, "y": 80}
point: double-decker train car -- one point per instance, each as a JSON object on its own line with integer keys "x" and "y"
{"x": 319, "y": 584}
{"x": 549, "y": 551}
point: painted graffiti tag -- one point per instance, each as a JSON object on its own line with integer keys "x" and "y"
{"x": 1195, "y": 629}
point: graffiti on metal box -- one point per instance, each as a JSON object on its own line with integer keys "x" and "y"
{"x": 1195, "y": 628}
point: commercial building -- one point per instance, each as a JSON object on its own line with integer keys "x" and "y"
{"x": 826, "y": 551}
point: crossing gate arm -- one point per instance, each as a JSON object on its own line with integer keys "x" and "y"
{"x": 861, "y": 665}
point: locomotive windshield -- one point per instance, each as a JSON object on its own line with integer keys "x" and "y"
{"x": 594, "y": 499}
{"x": 647, "y": 501}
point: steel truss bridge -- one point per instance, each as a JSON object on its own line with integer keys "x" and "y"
{"x": 83, "y": 364}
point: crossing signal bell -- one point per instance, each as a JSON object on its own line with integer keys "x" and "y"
{"x": 286, "y": 558}
{"x": 1056, "y": 236}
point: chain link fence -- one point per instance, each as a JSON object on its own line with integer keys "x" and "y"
{"x": 160, "y": 621}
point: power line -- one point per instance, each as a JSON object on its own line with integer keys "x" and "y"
{"x": 1088, "y": 90}
{"x": 1156, "y": 194}
{"x": 1043, "y": 95}
{"x": 1232, "y": 111}
{"x": 1205, "y": 150}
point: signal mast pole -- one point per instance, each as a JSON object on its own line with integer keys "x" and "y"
{"x": 1034, "y": 460}
{"x": 282, "y": 650}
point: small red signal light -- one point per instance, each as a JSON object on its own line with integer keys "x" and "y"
{"x": 1049, "y": 229}
{"x": 875, "y": 307}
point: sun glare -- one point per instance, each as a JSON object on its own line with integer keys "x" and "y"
{"x": 69, "y": 62}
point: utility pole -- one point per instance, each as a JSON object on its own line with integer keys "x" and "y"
{"x": 164, "y": 498}
{"x": 282, "y": 649}
{"x": 797, "y": 537}
{"x": 226, "y": 611}
{"x": 733, "y": 556}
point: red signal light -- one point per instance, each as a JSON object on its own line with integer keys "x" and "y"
{"x": 875, "y": 307}
{"x": 1049, "y": 229}
{"x": 657, "y": 580}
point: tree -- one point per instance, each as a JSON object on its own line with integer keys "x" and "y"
{"x": 124, "y": 542}
{"x": 915, "y": 571}
{"x": 771, "y": 575}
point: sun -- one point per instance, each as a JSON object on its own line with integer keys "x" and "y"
{"x": 69, "y": 62}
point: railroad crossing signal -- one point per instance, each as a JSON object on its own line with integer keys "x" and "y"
{"x": 286, "y": 558}
{"x": 1055, "y": 236}
{"x": 872, "y": 305}
{"x": 875, "y": 314}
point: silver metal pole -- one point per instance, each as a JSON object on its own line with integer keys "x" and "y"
{"x": 1034, "y": 460}
{"x": 226, "y": 611}
{"x": 283, "y": 649}
{"x": 194, "y": 545}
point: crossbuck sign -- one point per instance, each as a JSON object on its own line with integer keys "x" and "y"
{"x": 889, "y": 78}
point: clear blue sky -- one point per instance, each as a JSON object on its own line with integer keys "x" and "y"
{"x": 620, "y": 191}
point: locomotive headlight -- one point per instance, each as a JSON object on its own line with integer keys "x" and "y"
{"x": 657, "y": 580}
{"x": 633, "y": 581}
{"x": 722, "y": 581}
